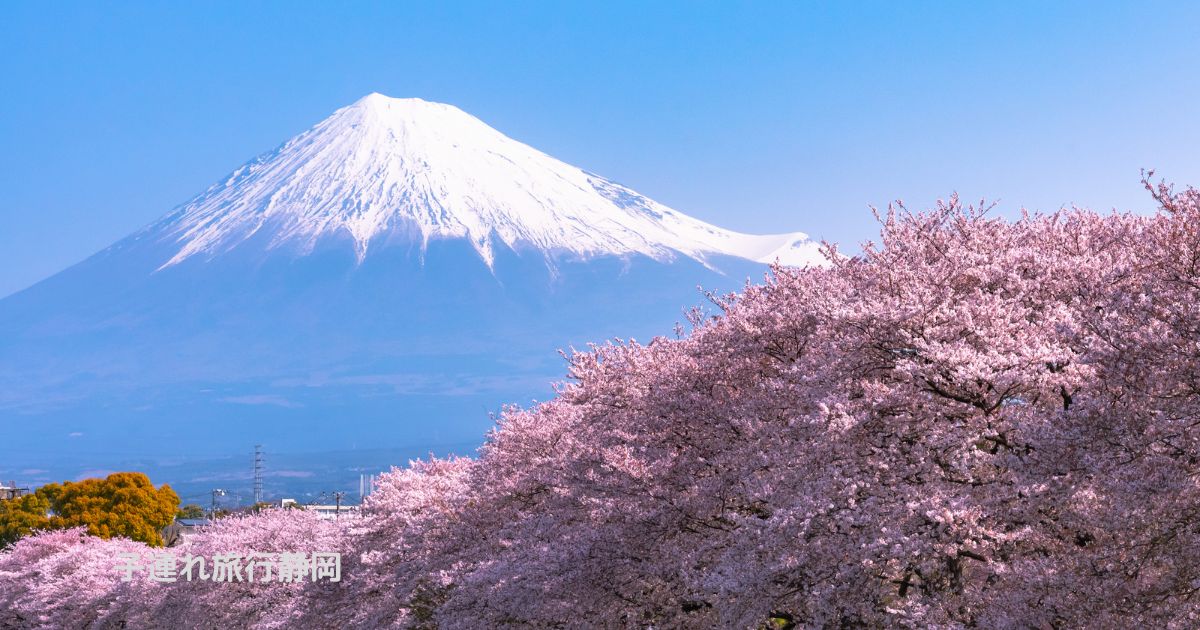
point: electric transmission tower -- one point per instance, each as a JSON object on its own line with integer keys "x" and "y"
{"x": 258, "y": 474}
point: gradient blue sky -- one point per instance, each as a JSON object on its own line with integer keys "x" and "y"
{"x": 761, "y": 117}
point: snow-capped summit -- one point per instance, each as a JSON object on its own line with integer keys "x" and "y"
{"x": 387, "y": 169}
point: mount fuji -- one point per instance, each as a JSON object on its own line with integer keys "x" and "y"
{"x": 388, "y": 277}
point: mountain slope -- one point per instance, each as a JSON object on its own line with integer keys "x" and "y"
{"x": 387, "y": 278}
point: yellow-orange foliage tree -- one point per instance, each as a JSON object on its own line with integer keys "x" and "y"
{"x": 124, "y": 504}
{"x": 22, "y": 516}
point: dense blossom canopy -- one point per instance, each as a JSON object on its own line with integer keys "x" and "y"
{"x": 973, "y": 423}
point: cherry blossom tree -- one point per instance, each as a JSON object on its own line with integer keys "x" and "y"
{"x": 260, "y": 595}
{"x": 974, "y": 422}
{"x": 68, "y": 579}
{"x": 408, "y": 549}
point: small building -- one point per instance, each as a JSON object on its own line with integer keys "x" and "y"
{"x": 11, "y": 491}
{"x": 182, "y": 529}
{"x": 330, "y": 512}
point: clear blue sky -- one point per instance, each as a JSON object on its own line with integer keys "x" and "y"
{"x": 757, "y": 116}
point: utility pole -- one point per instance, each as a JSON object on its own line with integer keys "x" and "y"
{"x": 337, "y": 500}
{"x": 217, "y": 492}
{"x": 258, "y": 474}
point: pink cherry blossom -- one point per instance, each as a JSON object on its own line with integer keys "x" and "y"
{"x": 975, "y": 422}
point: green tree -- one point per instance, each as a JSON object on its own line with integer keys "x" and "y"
{"x": 190, "y": 510}
{"x": 123, "y": 504}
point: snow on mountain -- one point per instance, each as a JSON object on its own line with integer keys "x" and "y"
{"x": 387, "y": 169}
